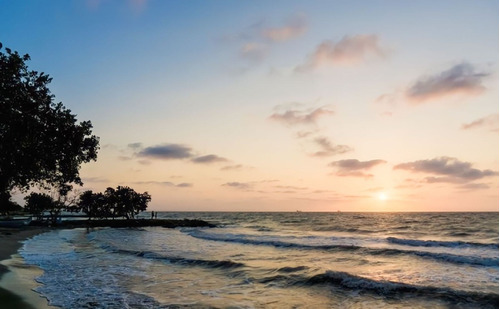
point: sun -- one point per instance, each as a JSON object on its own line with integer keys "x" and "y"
{"x": 382, "y": 196}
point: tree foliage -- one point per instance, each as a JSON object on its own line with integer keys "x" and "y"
{"x": 93, "y": 204}
{"x": 119, "y": 202}
{"x": 38, "y": 203}
{"x": 41, "y": 141}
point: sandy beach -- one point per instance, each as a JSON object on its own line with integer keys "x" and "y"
{"x": 10, "y": 240}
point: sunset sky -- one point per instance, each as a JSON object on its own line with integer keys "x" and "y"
{"x": 278, "y": 105}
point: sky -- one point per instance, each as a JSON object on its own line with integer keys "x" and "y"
{"x": 278, "y": 105}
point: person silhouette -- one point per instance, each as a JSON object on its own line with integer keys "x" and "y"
{"x": 152, "y": 215}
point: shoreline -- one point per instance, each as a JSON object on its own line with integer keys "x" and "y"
{"x": 11, "y": 238}
{"x": 11, "y": 241}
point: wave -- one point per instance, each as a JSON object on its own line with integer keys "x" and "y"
{"x": 440, "y": 257}
{"x": 387, "y": 289}
{"x": 391, "y": 289}
{"x": 254, "y": 240}
{"x": 225, "y": 264}
{"x": 436, "y": 243}
{"x": 292, "y": 269}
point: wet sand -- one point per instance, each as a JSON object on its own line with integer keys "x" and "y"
{"x": 10, "y": 242}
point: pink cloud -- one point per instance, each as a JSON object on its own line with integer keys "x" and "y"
{"x": 348, "y": 51}
{"x": 355, "y": 168}
{"x": 490, "y": 122}
{"x": 293, "y": 28}
{"x": 295, "y": 117}
{"x": 461, "y": 79}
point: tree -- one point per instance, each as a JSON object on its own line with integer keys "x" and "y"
{"x": 93, "y": 204}
{"x": 41, "y": 141}
{"x": 125, "y": 202}
{"x": 119, "y": 202}
{"x": 38, "y": 203}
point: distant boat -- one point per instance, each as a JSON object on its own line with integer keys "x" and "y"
{"x": 15, "y": 222}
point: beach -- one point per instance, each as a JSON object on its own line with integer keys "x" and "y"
{"x": 272, "y": 260}
{"x": 11, "y": 240}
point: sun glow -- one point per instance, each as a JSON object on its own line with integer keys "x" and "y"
{"x": 382, "y": 196}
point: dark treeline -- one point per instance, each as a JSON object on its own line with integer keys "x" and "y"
{"x": 121, "y": 202}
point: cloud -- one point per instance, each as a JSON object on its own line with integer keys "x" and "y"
{"x": 164, "y": 183}
{"x": 257, "y": 40}
{"x": 166, "y": 152}
{"x": 95, "y": 179}
{"x": 253, "y": 51}
{"x": 239, "y": 185}
{"x": 304, "y": 134}
{"x": 208, "y": 159}
{"x": 293, "y": 27}
{"x": 354, "y": 167}
{"x": 291, "y": 187}
{"x": 490, "y": 121}
{"x": 135, "y": 146}
{"x": 124, "y": 158}
{"x": 231, "y": 167}
{"x": 449, "y": 170}
{"x": 474, "y": 186}
{"x": 460, "y": 79}
{"x": 328, "y": 149}
{"x": 292, "y": 117}
{"x": 170, "y": 152}
{"x": 348, "y": 51}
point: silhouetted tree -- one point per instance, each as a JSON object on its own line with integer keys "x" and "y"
{"x": 93, "y": 204}
{"x": 119, "y": 202}
{"x": 41, "y": 142}
{"x": 38, "y": 203}
{"x": 125, "y": 202}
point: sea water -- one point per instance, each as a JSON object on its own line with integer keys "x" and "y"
{"x": 276, "y": 260}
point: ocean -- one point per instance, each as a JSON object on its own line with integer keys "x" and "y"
{"x": 275, "y": 260}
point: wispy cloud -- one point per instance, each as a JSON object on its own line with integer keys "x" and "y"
{"x": 354, "y": 167}
{"x": 256, "y": 41}
{"x": 253, "y": 51}
{"x": 239, "y": 185}
{"x": 209, "y": 159}
{"x": 173, "y": 152}
{"x": 304, "y": 134}
{"x": 348, "y": 51}
{"x": 328, "y": 148}
{"x": 95, "y": 179}
{"x": 164, "y": 183}
{"x": 292, "y": 117}
{"x": 231, "y": 167}
{"x": 292, "y": 187}
{"x": 490, "y": 122}
{"x": 473, "y": 186}
{"x": 135, "y": 146}
{"x": 447, "y": 169}
{"x": 166, "y": 152}
{"x": 462, "y": 79}
{"x": 292, "y": 28}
